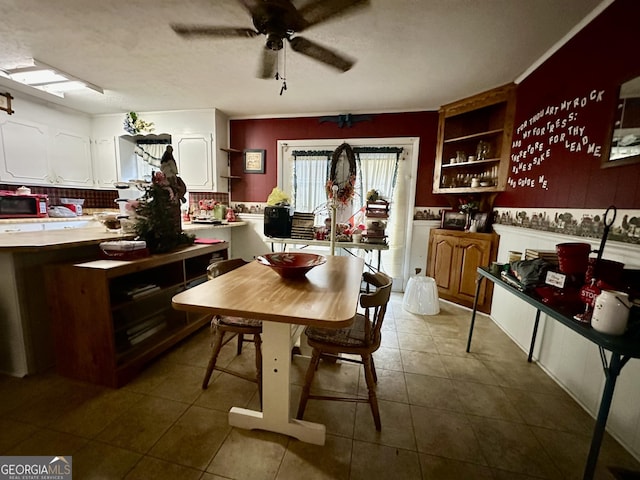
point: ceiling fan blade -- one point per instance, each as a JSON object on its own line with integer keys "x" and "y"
{"x": 320, "y": 53}
{"x": 318, "y": 11}
{"x": 209, "y": 31}
{"x": 268, "y": 63}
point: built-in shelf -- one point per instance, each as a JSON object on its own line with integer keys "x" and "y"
{"x": 229, "y": 177}
{"x": 478, "y": 126}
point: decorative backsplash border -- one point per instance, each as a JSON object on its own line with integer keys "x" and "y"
{"x": 575, "y": 222}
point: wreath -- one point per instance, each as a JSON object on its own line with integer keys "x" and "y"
{"x": 346, "y": 189}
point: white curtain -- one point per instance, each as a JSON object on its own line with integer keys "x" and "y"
{"x": 309, "y": 177}
{"x": 148, "y": 156}
{"x": 381, "y": 172}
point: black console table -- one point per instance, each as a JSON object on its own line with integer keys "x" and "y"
{"x": 622, "y": 349}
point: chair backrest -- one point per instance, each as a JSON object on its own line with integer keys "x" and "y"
{"x": 375, "y": 304}
{"x": 223, "y": 266}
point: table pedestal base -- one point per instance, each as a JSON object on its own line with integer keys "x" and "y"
{"x": 305, "y": 431}
{"x": 277, "y": 341}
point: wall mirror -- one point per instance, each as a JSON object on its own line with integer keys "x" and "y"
{"x": 625, "y": 138}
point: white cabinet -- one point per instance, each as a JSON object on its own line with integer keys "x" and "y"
{"x": 193, "y": 156}
{"x": 70, "y": 160}
{"x": 193, "y": 135}
{"x": 35, "y": 154}
{"x": 24, "y": 155}
{"x": 105, "y": 161}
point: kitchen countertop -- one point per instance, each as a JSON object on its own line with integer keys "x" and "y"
{"x": 65, "y": 238}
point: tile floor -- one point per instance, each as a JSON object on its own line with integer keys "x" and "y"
{"x": 445, "y": 414}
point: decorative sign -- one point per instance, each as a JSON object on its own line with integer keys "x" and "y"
{"x": 559, "y": 129}
{"x": 555, "y": 279}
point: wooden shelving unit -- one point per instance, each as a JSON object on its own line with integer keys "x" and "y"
{"x": 111, "y": 317}
{"x": 487, "y": 117}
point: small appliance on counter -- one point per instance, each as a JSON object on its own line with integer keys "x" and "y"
{"x": 22, "y": 205}
{"x": 73, "y": 204}
{"x": 277, "y": 221}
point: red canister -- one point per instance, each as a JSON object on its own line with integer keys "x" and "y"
{"x": 573, "y": 258}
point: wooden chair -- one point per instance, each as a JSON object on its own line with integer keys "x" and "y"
{"x": 362, "y": 338}
{"x": 221, "y": 325}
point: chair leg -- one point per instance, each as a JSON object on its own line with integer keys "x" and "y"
{"x": 240, "y": 341}
{"x": 257, "y": 340}
{"x": 215, "y": 350}
{"x": 373, "y": 370}
{"x": 308, "y": 378}
{"x": 371, "y": 386}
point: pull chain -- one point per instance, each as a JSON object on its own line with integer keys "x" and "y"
{"x": 283, "y": 77}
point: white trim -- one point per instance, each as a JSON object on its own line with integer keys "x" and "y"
{"x": 560, "y": 43}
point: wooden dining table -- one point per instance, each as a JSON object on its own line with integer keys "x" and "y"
{"x": 326, "y": 297}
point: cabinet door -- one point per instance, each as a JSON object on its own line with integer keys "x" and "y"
{"x": 193, "y": 156}
{"x": 442, "y": 263}
{"x": 71, "y": 160}
{"x": 105, "y": 162}
{"x": 24, "y": 157}
{"x": 472, "y": 253}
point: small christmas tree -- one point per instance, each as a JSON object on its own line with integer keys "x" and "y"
{"x": 158, "y": 217}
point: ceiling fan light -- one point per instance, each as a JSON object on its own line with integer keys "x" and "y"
{"x": 274, "y": 42}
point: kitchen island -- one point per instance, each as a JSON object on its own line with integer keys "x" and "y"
{"x": 26, "y": 342}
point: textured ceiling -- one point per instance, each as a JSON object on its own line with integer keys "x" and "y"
{"x": 411, "y": 54}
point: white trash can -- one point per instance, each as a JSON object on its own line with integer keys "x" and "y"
{"x": 421, "y": 295}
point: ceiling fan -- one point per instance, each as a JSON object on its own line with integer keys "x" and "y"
{"x": 280, "y": 20}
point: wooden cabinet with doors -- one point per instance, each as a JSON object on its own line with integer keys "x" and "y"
{"x": 454, "y": 257}
{"x": 474, "y": 143}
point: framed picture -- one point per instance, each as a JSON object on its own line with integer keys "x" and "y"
{"x": 5, "y": 102}
{"x": 482, "y": 221}
{"x": 254, "y": 161}
{"x": 453, "y": 220}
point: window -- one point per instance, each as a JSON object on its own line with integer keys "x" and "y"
{"x": 386, "y": 165}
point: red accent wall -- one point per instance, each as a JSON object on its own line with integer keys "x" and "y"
{"x": 563, "y": 116}
{"x": 575, "y": 90}
{"x": 264, "y": 133}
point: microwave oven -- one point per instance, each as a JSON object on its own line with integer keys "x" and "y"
{"x": 14, "y": 205}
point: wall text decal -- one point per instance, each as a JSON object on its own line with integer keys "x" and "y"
{"x": 553, "y": 130}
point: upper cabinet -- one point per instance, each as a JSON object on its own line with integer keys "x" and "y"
{"x": 474, "y": 140}
{"x": 105, "y": 163}
{"x": 24, "y": 157}
{"x": 194, "y": 159}
{"x": 38, "y": 154}
{"x": 70, "y": 161}
{"x": 193, "y": 134}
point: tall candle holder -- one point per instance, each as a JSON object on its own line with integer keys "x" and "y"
{"x": 333, "y": 206}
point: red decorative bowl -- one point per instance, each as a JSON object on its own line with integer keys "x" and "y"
{"x": 291, "y": 265}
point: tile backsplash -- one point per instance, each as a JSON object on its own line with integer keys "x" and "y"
{"x": 104, "y": 199}
{"x": 92, "y": 198}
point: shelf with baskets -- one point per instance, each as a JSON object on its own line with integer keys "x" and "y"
{"x": 110, "y": 318}
{"x": 474, "y": 140}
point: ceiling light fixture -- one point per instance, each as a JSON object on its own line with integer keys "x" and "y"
{"x": 47, "y": 78}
